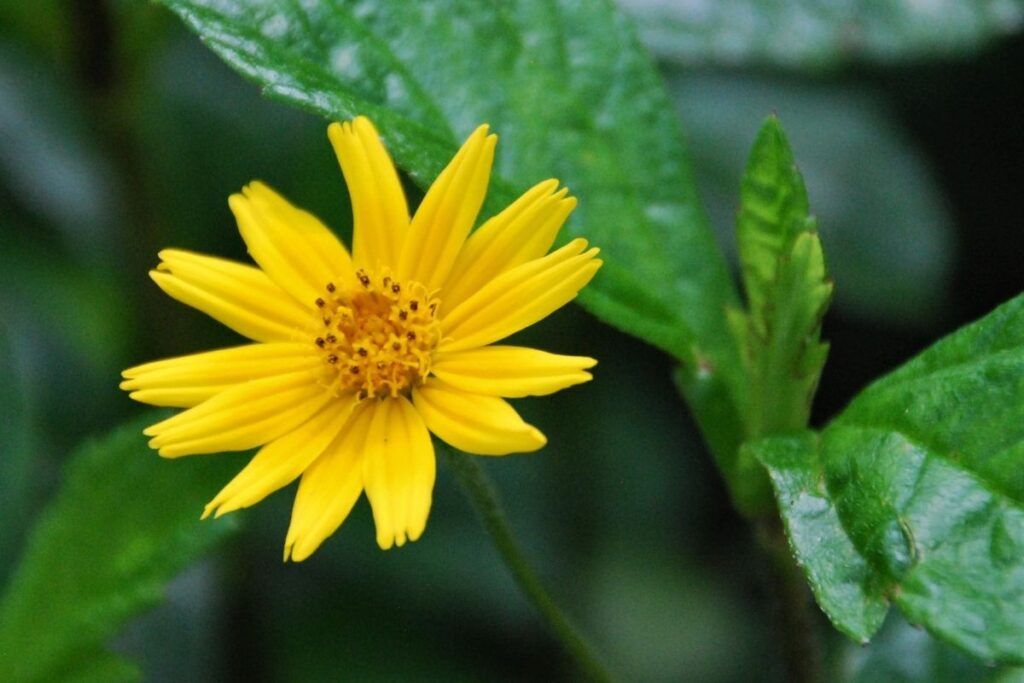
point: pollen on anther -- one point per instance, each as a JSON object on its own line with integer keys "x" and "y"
{"x": 414, "y": 305}
{"x": 403, "y": 314}
{"x": 332, "y": 359}
{"x": 396, "y": 288}
{"x": 331, "y": 339}
{"x": 331, "y": 287}
{"x": 355, "y": 370}
{"x": 320, "y": 342}
{"x": 396, "y": 345}
{"x": 411, "y": 336}
{"x": 362, "y": 351}
{"x": 320, "y": 303}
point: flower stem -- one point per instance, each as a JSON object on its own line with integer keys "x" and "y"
{"x": 482, "y": 494}
{"x": 801, "y": 647}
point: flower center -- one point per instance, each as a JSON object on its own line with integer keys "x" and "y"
{"x": 377, "y": 339}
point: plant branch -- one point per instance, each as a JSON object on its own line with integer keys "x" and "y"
{"x": 801, "y": 645}
{"x": 481, "y": 493}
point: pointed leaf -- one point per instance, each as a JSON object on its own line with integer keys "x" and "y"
{"x": 918, "y": 493}
{"x": 122, "y": 525}
{"x": 783, "y": 271}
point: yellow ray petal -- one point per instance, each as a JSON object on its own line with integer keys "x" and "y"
{"x": 510, "y": 371}
{"x": 186, "y": 381}
{"x": 242, "y": 417}
{"x": 237, "y": 295}
{"x": 398, "y": 472}
{"x": 379, "y": 210}
{"x": 519, "y": 297}
{"x": 485, "y": 425}
{"x": 291, "y": 245}
{"x": 448, "y": 212}
{"x": 281, "y": 461}
{"x": 329, "y": 488}
{"x": 522, "y": 232}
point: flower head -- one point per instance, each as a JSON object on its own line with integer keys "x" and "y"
{"x": 357, "y": 358}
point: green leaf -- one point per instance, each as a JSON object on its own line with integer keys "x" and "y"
{"x": 783, "y": 272}
{"x": 571, "y": 93}
{"x": 130, "y": 522}
{"x": 890, "y": 253}
{"x": 917, "y": 493}
{"x": 844, "y": 583}
{"x": 815, "y": 34}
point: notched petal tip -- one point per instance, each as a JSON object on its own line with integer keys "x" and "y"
{"x": 385, "y": 541}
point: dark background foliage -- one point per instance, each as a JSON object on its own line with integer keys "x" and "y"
{"x": 120, "y": 133}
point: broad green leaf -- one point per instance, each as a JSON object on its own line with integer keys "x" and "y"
{"x": 569, "y": 90}
{"x": 783, "y": 272}
{"x": 129, "y": 521}
{"x": 814, "y": 34}
{"x": 917, "y": 490}
{"x": 844, "y": 583}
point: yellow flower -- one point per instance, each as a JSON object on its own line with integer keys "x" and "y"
{"x": 357, "y": 357}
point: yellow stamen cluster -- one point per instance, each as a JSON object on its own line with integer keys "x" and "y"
{"x": 377, "y": 338}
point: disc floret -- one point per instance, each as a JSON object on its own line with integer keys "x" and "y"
{"x": 377, "y": 338}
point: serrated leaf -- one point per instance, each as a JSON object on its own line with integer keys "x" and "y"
{"x": 783, "y": 272}
{"x": 921, "y": 479}
{"x": 572, "y": 94}
{"x": 843, "y": 581}
{"x": 890, "y": 252}
{"x": 814, "y": 34}
{"x": 122, "y": 525}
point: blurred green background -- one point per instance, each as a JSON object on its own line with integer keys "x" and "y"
{"x": 120, "y": 133}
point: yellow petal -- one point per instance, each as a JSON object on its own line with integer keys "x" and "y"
{"x": 522, "y": 232}
{"x": 237, "y": 295}
{"x": 379, "y": 210}
{"x": 510, "y": 371}
{"x": 329, "y": 488}
{"x": 291, "y": 245}
{"x": 519, "y": 297}
{"x": 447, "y": 213}
{"x": 485, "y": 425}
{"x": 186, "y": 381}
{"x": 242, "y": 417}
{"x": 398, "y": 472}
{"x": 281, "y": 461}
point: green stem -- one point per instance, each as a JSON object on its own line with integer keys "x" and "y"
{"x": 481, "y": 493}
{"x": 801, "y": 647}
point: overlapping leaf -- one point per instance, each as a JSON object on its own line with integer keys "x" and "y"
{"x": 914, "y": 495}
{"x": 565, "y": 85}
{"x": 130, "y": 522}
